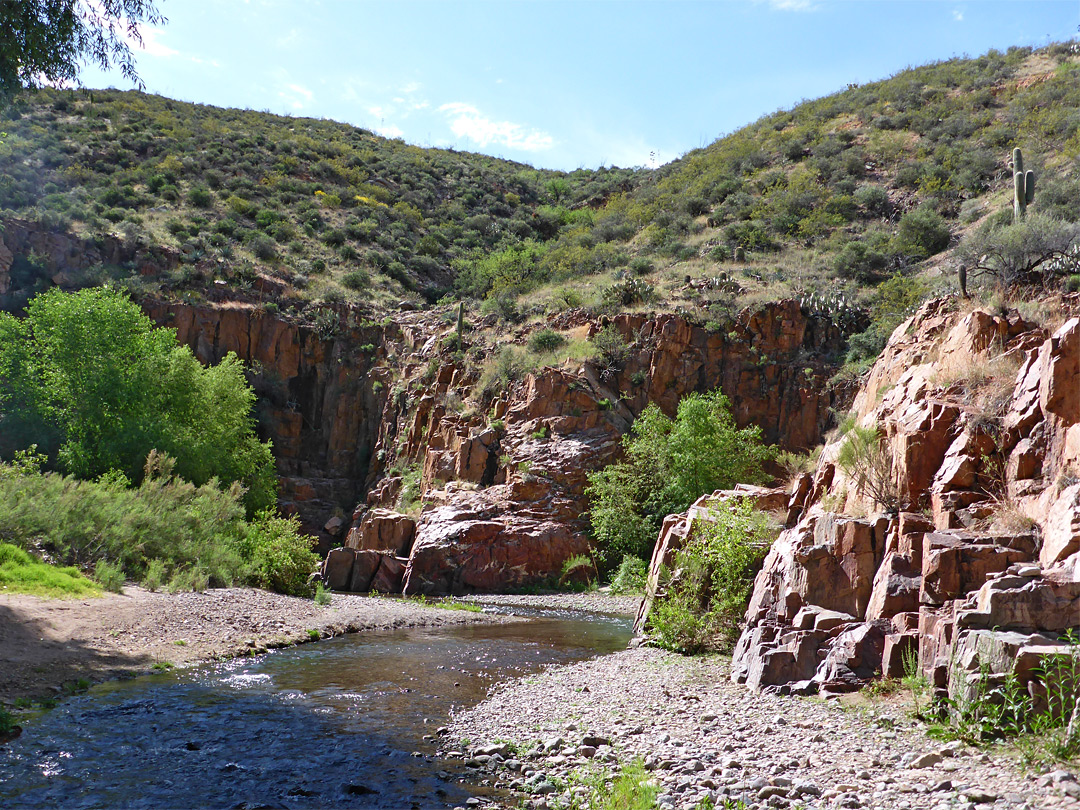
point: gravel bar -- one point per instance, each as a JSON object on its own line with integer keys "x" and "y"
{"x": 701, "y": 735}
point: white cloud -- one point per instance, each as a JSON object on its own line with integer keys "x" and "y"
{"x": 790, "y": 5}
{"x": 390, "y": 131}
{"x": 295, "y": 95}
{"x": 466, "y": 121}
{"x": 153, "y": 45}
{"x": 958, "y": 15}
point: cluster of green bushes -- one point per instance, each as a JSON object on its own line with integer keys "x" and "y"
{"x": 328, "y": 197}
{"x": 154, "y": 471}
{"x": 165, "y": 532}
{"x": 668, "y": 464}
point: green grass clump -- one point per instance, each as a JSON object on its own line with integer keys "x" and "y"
{"x": 21, "y": 573}
{"x": 630, "y": 576}
{"x": 109, "y": 575}
{"x": 453, "y": 604}
{"x": 631, "y": 789}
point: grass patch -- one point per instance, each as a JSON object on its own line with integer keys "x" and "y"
{"x": 453, "y": 604}
{"x": 22, "y": 573}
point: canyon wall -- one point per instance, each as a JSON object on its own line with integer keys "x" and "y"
{"x": 381, "y": 447}
{"x": 974, "y": 566}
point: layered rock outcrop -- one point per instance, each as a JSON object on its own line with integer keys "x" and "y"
{"x": 367, "y": 416}
{"x": 979, "y": 415}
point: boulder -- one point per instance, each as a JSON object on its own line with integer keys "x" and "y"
{"x": 1045, "y": 604}
{"x": 954, "y": 565}
{"x": 384, "y": 530}
{"x": 898, "y": 650}
{"x": 337, "y": 569}
{"x": 896, "y": 588}
{"x": 1061, "y": 532}
{"x": 389, "y": 575}
{"x": 481, "y": 543}
{"x": 854, "y": 657}
{"x": 365, "y": 564}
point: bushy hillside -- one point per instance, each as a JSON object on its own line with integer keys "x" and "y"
{"x": 858, "y": 198}
{"x": 332, "y": 210}
{"x": 844, "y": 192}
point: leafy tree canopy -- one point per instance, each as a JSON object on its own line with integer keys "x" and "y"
{"x": 668, "y": 464}
{"x": 90, "y": 380}
{"x": 48, "y": 40}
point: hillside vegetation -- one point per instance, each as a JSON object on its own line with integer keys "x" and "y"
{"x": 331, "y": 210}
{"x": 875, "y": 183}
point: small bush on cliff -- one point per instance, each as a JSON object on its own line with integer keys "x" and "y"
{"x": 90, "y": 380}
{"x": 668, "y": 464}
{"x": 869, "y": 466}
{"x": 713, "y": 575}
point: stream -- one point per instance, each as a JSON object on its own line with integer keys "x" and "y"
{"x": 337, "y": 723}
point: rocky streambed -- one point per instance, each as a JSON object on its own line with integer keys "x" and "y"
{"x": 702, "y": 736}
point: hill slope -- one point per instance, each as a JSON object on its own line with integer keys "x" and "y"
{"x": 876, "y": 182}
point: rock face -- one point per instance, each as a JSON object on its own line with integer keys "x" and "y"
{"x": 370, "y": 416}
{"x": 980, "y": 417}
{"x": 29, "y": 250}
{"x": 503, "y": 500}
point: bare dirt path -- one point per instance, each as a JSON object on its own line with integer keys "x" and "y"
{"x": 46, "y": 643}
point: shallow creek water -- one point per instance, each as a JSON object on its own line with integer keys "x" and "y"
{"x": 338, "y": 723}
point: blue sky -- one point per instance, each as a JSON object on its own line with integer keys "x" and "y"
{"x": 560, "y": 84}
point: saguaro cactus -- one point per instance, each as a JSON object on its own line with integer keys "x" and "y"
{"x": 460, "y": 323}
{"x": 1023, "y": 186}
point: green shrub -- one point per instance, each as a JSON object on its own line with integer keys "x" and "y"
{"x": 667, "y": 465}
{"x": 200, "y": 197}
{"x": 922, "y": 232}
{"x": 545, "y": 340}
{"x": 641, "y": 266}
{"x": 500, "y": 372}
{"x": 704, "y": 600}
{"x": 278, "y": 557}
{"x": 109, "y": 576}
{"x": 323, "y": 596}
{"x": 263, "y": 248}
{"x": 869, "y": 466}
{"x": 154, "y": 577}
{"x": 611, "y": 348}
{"x": 356, "y": 280}
{"x": 630, "y": 576}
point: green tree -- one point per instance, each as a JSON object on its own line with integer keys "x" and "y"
{"x": 49, "y": 40}
{"x": 668, "y": 464}
{"x": 90, "y": 380}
